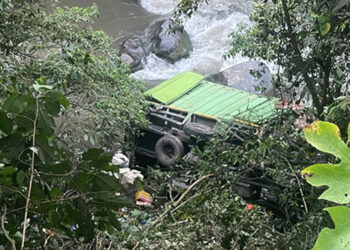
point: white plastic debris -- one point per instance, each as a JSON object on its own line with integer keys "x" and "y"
{"x": 119, "y": 159}
{"x": 126, "y": 175}
{"x": 129, "y": 176}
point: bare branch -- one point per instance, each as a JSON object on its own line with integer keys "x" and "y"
{"x": 299, "y": 184}
{"x": 13, "y": 243}
{"x": 25, "y": 222}
{"x": 164, "y": 214}
{"x": 58, "y": 175}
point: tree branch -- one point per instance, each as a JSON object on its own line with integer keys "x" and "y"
{"x": 13, "y": 243}
{"x": 300, "y": 62}
{"x": 299, "y": 184}
{"x": 164, "y": 214}
{"x": 25, "y": 223}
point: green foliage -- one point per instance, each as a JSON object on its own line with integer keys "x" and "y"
{"x": 65, "y": 193}
{"x": 308, "y": 40}
{"x": 325, "y": 136}
{"x": 60, "y": 50}
{"x": 339, "y": 113}
{"x": 59, "y": 82}
{"x": 337, "y": 238}
{"x": 213, "y": 215}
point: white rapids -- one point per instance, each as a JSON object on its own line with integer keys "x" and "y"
{"x": 209, "y": 30}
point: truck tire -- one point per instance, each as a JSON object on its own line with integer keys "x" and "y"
{"x": 169, "y": 150}
{"x": 198, "y": 129}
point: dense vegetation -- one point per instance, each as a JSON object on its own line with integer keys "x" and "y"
{"x": 64, "y": 91}
{"x": 62, "y": 86}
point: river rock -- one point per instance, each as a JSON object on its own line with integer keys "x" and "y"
{"x": 167, "y": 44}
{"x": 132, "y": 52}
{"x": 251, "y": 76}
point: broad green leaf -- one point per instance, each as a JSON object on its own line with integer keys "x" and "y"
{"x": 82, "y": 181}
{"x": 46, "y": 151}
{"x": 339, "y": 72}
{"x": 104, "y": 182}
{"x": 110, "y": 199}
{"x": 20, "y": 177}
{"x": 40, "y": 88}
{"x": 92, "y": 140}
{"x": 55, "y": 192}
{"x": 336, "y": 177}
{"x": 14, "y": 104}
{"x": 53, "y": 101}
{"x": 325, "y": 136}
{"x": 325, "y": 28}
{"x": 62, "y": 100}
{"x": 59, "y": 168}
{"x": 92, "y": 154}
{"x": 52, "y": 107}
{"x": 7, "y": 170}
{"x": 102, "y": 160}
{"x": 6, "y": 124}
{"x": 12, "y": 146}
{"x": 339, "y": 237}
{"x": 323, "y": 19}
{"x": 46, "y": 123}
{"x": 84, "y": 220}
{"x": 349, "y": 133}
{"x": 113, "y": 219}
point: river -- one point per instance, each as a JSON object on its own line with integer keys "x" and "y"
{"x": 209, "y": 30}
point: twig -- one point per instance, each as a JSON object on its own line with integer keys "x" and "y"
{"x": 179, "y": 222}
{"x": 183, "y": 203}
{"x": 15, "y": 191}
{"x": 58, "y": 175}
{"x": 163, "y": 215}
{"x": 25, "y": 223}
{"x": 110, "y": 245}
{"x": 299, "y": 184}
{"x": 137, "y": 244}
{"x": 52, "y": 201}
{"x": 97, "y": 246}
{"x": 13, "y": 243}
{"x": 47, "y": 239}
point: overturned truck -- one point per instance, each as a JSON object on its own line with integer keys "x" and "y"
{"x": 188, "y": 105}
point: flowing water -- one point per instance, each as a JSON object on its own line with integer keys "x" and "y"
{"x": 209, "y": 30}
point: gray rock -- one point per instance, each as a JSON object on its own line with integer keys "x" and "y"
{"x": 167, "y": 44}
{"x": 132, "y": 52}
{"x": 251, "y": 76}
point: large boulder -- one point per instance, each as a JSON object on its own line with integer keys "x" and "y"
{"x": 132, "y": 52}
{"x": 251, "y": 76}
{"x": 167, "y": 44}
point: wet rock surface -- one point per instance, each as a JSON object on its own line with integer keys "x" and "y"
{"x": 167, "y": 44}
{"x": 251, "y": 76}
{"x": 132, "y": 52}
{"x": 158, "y": 39}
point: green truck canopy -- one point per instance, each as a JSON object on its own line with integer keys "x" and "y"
{"x": 187, "y": 91}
